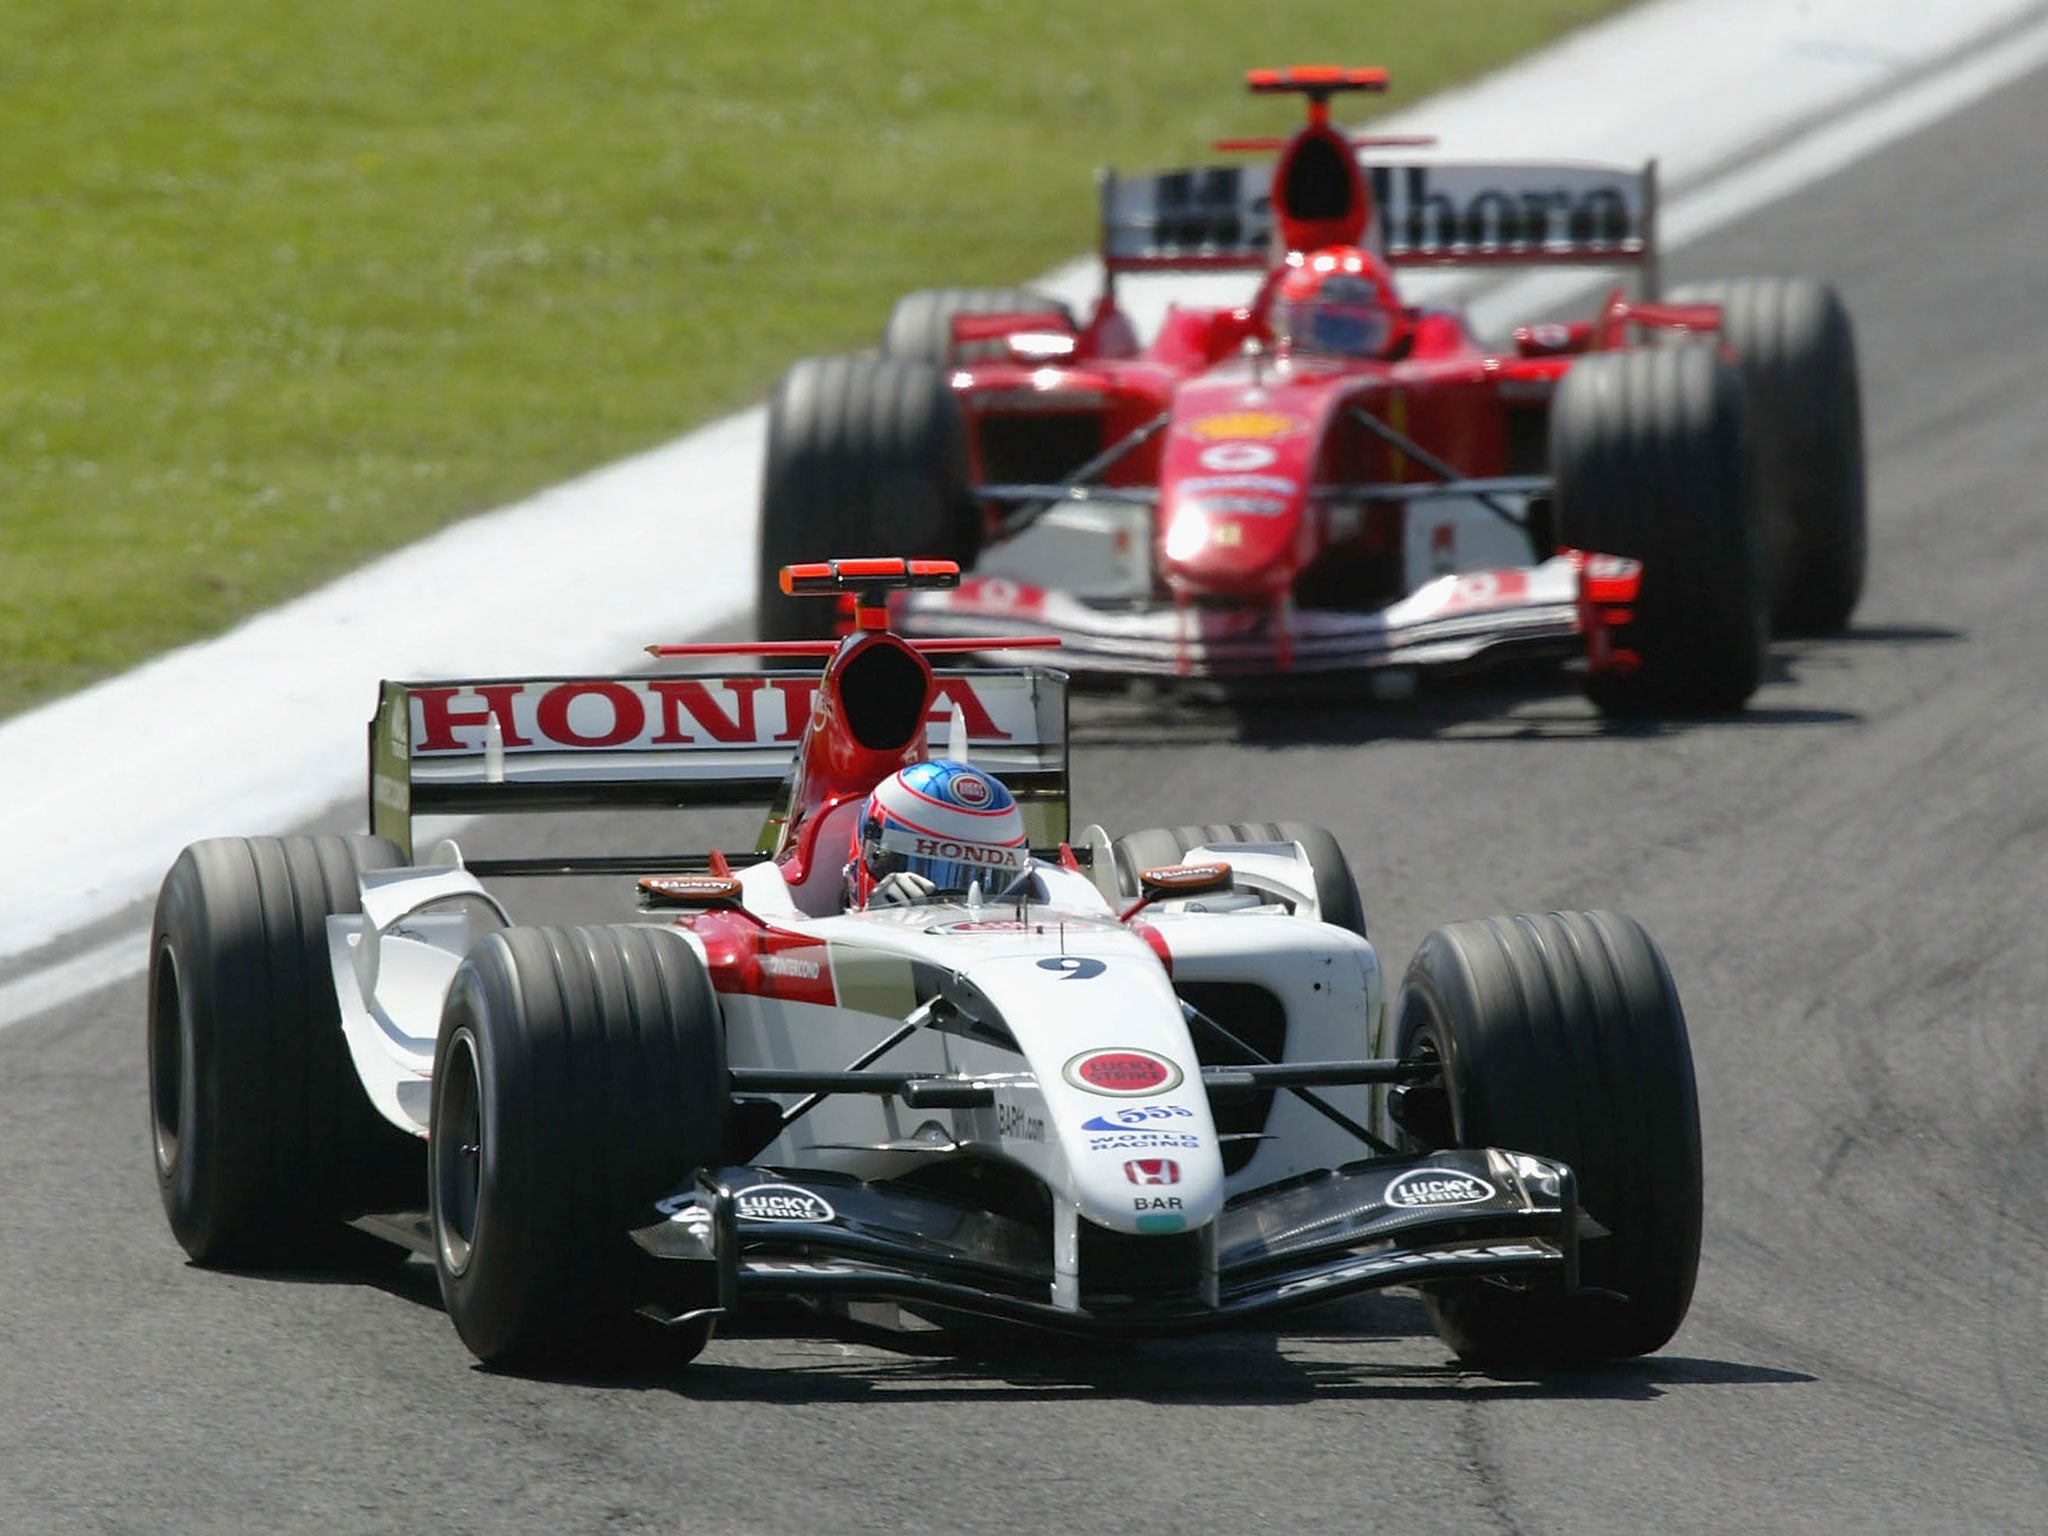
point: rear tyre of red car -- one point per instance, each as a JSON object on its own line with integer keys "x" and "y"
{"x": 579, "y": 1076}
{"x": 1336, "y": 891}
{"x": 920, "y": 328}
{"x": 865, "y": 456}
{"x": 1561, "y": 1035}
{"x": 264, "y": 1139}
{"x": 1651, "y": 453}
{"x": 1796, "y": 351}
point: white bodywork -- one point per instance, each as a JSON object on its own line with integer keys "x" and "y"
{"x": 1063, "y": 979}
{"x": 1448, "y": 619}
{"x": 392, "y": 966}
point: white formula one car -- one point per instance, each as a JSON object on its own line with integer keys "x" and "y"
{"x": 1145, "y": 1084}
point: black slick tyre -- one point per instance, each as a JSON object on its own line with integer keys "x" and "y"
{"x": 264, "y": 1140}
{"x": 1561, "y": 1035}
{"x": 920, "y": 328}
{"x": 1796, "y": 351}
{"x": 579, "y": 1076}
{"x": 1651, "y": 453}
{"x": 1336, "y": 890}
{"x": 865, "y": 456}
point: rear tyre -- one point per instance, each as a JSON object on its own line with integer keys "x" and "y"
{"x": 1796, "y": 351}
{"x": 920, "y": 328}
{"x": 1561, "y": 1035}
{"x": 1650, "y": 449}
{"x": 579, "y": 1076}
{"x": 865, "y": 456}
{"x": 264, "y": 1139}
{"x": 1336, "y": 891}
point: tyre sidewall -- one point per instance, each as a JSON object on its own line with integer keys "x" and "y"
{"x": 1561, "y": 1036}
{"x": 1653, "y": 461}
{"x": 484, "y": 1295}
{"x": 275, "y": 1140}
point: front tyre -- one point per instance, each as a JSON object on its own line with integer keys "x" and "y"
{"x": 1561, "y": 1035}
{"x": 578, "y": 1077}
{"x": 1651, "y": 453}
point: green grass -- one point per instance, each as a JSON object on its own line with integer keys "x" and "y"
{"x": 284, "y": 285}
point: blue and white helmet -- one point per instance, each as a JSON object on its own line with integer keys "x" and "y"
{"x": 949, "y": 822}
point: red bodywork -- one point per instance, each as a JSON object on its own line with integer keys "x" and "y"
{"x": 1279, "y": 485}
{"x": 868, "y": 717}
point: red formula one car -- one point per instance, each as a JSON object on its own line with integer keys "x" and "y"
{"x": 1325, "y": 478}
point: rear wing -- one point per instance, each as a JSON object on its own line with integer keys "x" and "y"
{"x": 1423, "y": 214}
{"x": 1217, "y": 217}
{"x": 653, "y": 741}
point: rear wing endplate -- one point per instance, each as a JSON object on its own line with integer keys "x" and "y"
{"x": 1425, "y": 213}
{"x": 653, "y": 741}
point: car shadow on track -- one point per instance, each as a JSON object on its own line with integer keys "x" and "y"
{"x": 1371, "y": 1347}
{"x": 1495, "y": 706}
{"x": 1375, "y": 1346}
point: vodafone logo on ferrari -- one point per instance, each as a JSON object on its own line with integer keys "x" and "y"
{"x": 1123, "y": 1074}
{"x": 1229, "y": 457}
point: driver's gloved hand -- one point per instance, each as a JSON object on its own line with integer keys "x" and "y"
{"x": 901, "y": 889}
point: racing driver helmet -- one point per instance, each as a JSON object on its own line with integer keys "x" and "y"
{"x": 947, "y": 821}
{"x": 1339, "y": 302}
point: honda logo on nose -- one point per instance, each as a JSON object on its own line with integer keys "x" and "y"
{"x": 1152, "y": 1170}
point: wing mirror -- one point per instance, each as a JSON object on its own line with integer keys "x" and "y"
{"x": 1178, "y": 880}
{"x": 657, "y": 891}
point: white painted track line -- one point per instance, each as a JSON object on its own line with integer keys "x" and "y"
{"x": 65, "y": 981}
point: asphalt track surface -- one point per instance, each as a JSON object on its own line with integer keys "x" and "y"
{"x": 1848, "y": 881}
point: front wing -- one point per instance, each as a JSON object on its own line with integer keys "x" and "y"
{"x": 1452, "y": 620}
{"x": 744, "y": 1233}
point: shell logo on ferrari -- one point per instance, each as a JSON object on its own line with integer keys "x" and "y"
{"x": 1125, "y": 1074}
{"x": 1252, "y": 425}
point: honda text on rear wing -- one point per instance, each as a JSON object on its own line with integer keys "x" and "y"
{"x": 651, "y": 741}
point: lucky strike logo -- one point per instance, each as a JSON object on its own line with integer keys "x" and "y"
{"x": 970, "y": 790}
{"x": 1429, "y": 1188}
{"x": 781, "y": 1202}
{"x": 1122, "y": 1074}
{"x": 1245, "y": 425}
